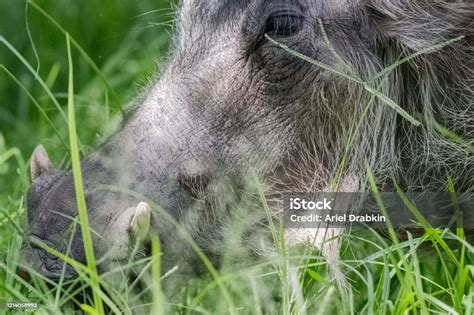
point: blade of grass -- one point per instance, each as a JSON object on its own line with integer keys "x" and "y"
{"x": 86, "y": 57}
{"x": 32, "y": 42}
{"x": 407, "y": 280}
{"x": 63, "y": 269}
{"x": 325, "y": 303}
{"x": 258, "y": 308}
{"x": 84, "y": 272}
{"x": 215, "y": 274}
{"x": 12, "y": 257}
{"x": 370, "y": 306}
{"x": 440, "y": 304}
{"x": 279, "y": 243}
{"x": 462, "y": 273}
{"x": 425, "y": 51}
{"x": 158, "y": 299}
{"x": 35, "y": 75}
{"x": 16, "y": 153}
{"x": 6, "y": 215}
{"x": 417, "y": 273}
{"x": 314, "y": 62}
{"x": 37, "y": 105}
{"x": 341, "y": 60}
{"x": 53, "y": 75}
{"x": 432, "y": 232}
{"x": 353, "y": 132}
{"x": 393, "y": 105}
{"x": 78, "y": 184}
{"x": 452, "y": 136}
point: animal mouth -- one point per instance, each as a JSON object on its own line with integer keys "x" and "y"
{"x": 57, "y": 273}
{"x": 50, "y": 265}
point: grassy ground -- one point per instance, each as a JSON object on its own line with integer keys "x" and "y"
{"x": 431, "y": 273}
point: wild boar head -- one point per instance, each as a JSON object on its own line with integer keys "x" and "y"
{"x": 231, "y": 99}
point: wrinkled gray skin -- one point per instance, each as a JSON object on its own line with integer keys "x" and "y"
{"x": 230, "y": 100}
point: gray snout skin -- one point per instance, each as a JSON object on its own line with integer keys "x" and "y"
{"x": 39, "y": 260}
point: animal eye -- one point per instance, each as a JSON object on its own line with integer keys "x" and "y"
{"x": 283, "y": 24}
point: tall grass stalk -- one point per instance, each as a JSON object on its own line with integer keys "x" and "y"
{"x": 37, "y": 105}
{"x": 406, "y": 278}
{"x": 79, "y": 187}
{"x": 158, "y": 299}
{"x": 45, "y": 87}
{"x": 86, "y": 57}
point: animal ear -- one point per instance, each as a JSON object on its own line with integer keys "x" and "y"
{"x": 39, "y": 162}
{"x": 140, "y": 223}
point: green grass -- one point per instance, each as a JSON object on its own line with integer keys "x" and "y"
{"x": 41, "y": 102}
{"x": 79, "y": 186}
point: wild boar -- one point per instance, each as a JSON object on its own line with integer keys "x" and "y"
{"x": 233, "y": 102}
